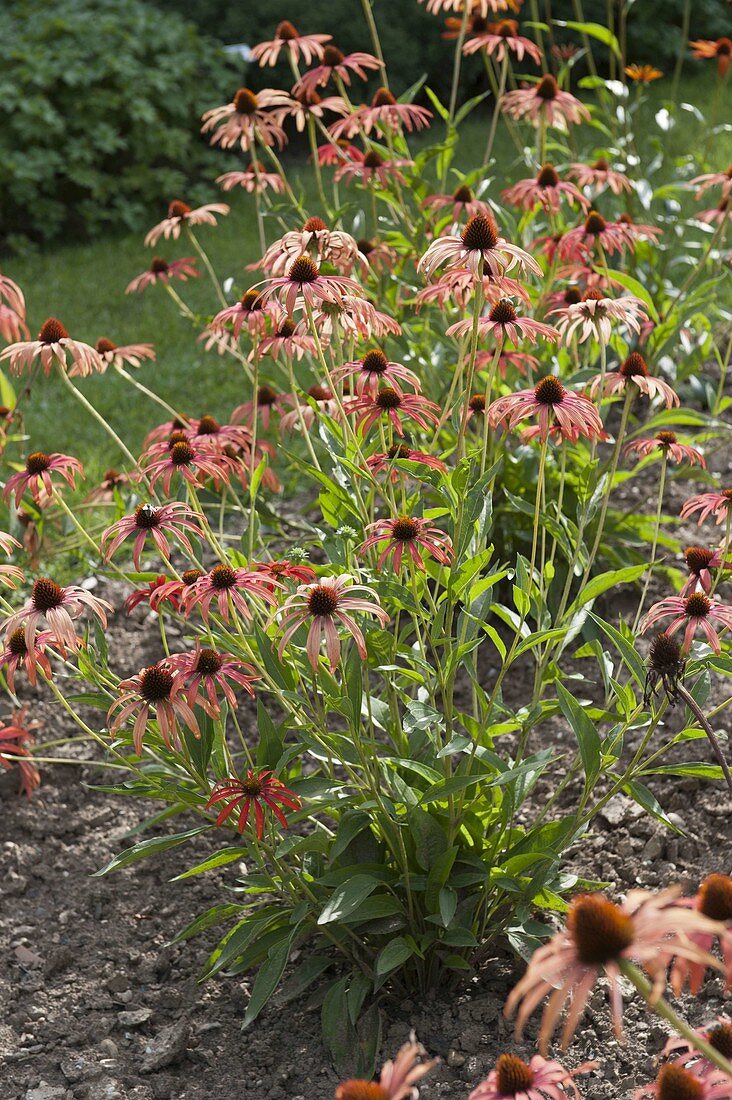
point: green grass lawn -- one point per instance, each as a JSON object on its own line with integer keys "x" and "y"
{"x": 84, "y": 284}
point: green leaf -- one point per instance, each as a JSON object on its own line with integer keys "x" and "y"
{"x": 346, "y": 898}
{"x": 631, "y": 658}
{"x": 217, "y": 914}
{"x": 635, "y": 287}
{"x": 603, "y": 582}
{"x": 393, "y": 955}
{"x": 218, "y": 859}
{"x": 268, "y": 978}
{"x": 448, "y": 904}
{"x": 594, "y": 30}
{"x": 584, "y": 730}
{"x": 149, "y": 848}
{"x": 306, "y": 973}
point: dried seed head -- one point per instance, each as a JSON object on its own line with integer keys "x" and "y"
{"x": 323, "y": 600}
{"x": 147, "y": 517}
{"x": 332, "y": 57}
{"x": 462, "y": 194}
{"x": 52, "y": 331}
{"x": 372, "y": 160}
{"x": 405, "y": 529}
{"x": 697, "y": 606}
{"x": 595, "y": 223}
{"x": 548, "y": 176}
{"x": 383, "y": 98}
{"x": 664, "y": 656}
{"x": 37, "y": 462}
{"x": 698, "y": 558}
{"x": 375, "y": 362}
{"x": 513, "y": 1075}
{"x": 547, "y": 88}
{"x": 634, "y": 366}
{"x": 476, "y": 403}
{"x": 715, "y": 897}
{"x": 549, "y": 390}
{"x": 222, "y": 577}
{"x": 388, "y": 399}
{"x": 503, "y": 312}
{"x": 303, "y": 270}
{"x": 156, "y": 683}
{"x": 481, "y": 233}
{"x": 46, "y": 594}
{"x": 676, "y": 1083}
{"x": 104, "y": 345}
{"x": 601, "y": 931}
{"x": 178, "y": 209}
{"x": 285, "y": 31}
{"x": 245, "y": 102}
{"x": 209, "y": 662}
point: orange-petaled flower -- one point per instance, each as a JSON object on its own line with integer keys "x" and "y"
{"x": 717, "y": 503}
{"x": 634, "y": 370}
{"x": 324, "y": 604}
{"x": 175, "y": 518}
{"x": 695, "y": 612}
{"x": 17, "y": 655}
{"x": 504, "y": 323}
{"x": 642, "y": 74}
{"x": 286, "y": 39}
{"x": 713, "y": 900}
{"x": 677, "y": 1083}
{"x": 119, "y": 355}
{"x": 500, "y": 39}
{"x": 156, "y": 691}
{"x": 556, "y": 407}
{"x": 249, "y": 117}
{"x": 480, "y": 247}
{"x": 407, "y": 535}
{"x": 599, "y": 175}
{"x": 397, "y": 1080}
{"x": 180, "y": 215}
{"x": 230, "y": 589}
{"x": 54, "y": 345}
{"x": 393, "y": 405}
{"x": 545, "y": 101}
{"x": 59, "y": 607}
{"x": 37, "y": 476}
{"x": 206, "y": 672}
{"x": 162, "y": 271}
{"x": 705, "y": 49}
{"x": 646, "y": 929}
{"x": 15, "y": 741}
{"x": 546, "y": 190}
{"x": 669, "y": 446}
{"x": 335, "y": 63}
{"x": 373, "y": 369}
{"x": 262, "y": 790}
{"x": 539, "y": 1079}
{"x": 384, "y": 111}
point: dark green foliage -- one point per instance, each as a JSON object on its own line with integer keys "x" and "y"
{"x": 101, "y": 101}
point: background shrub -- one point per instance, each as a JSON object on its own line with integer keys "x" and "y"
{"x": 99, "y": 125}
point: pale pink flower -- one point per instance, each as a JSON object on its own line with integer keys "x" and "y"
{"x": 206, "y": 672}
{"x": 500, "y": 39}
{"x": 317, "y": 401}
{"x": 393, "y": 405}
{"x": 457, "y": 286}
{"x": 315, "y": 239}
{"x": 700, "y": 561}
{"x": 716, "y": 503}
{"x": 181, "y": 215}
{"x": 503, "y": 323}
{"x": 323, "y": 604}
{"x": 634, "y": 370}
{"x": 595, "y": 314}
{"x": 718, "y": 1034}
{"x": 11, "y": 293}
{"x": 158, "y": 691}
{"x": 247, "y": 118}
{"x": 478, "y": 7}
{"x": 53, "y": 345}
{"x": 384, "y": 111}
{"x": 545, "y": 100}
{"x": 555, "y": 407}
{"x": 308, "y": 47}
{"x": 714, "y": 179}
{"x": 59, "y": 607}
{"x": 230, "y": 589}
{"x": 598, "y": 176}
{"x": 462, "y": 201}
{"x": 519, "y": 361}
{"x": 13, "y": 328}
{"x": 694, "y": 612}
{"x": 174, "y": 518}
{"x": 268, "y": 401}
{"x": 717, "y": 215}
{"x": 647, "y": 930}
{"x": 356, "y": 317}
{"x": 160, "y": 271}
{"x": 249, "y": 311}
{"x": 581, "y": 241}
{"x": 252, "y": 180}
{"x": 539, "y": 1079}
{"x": 305, "y": 284}
{"x": 675, "y": 1081}
{"x": 479, "y": 246}
{"x": 373, "y": 369}
{"x": 371, "y": 166}
{"x": 37, "y": 476}
{"x": 402, "y": 452}
{"x": 113, "y": 355}
{"x": 634, "y": 231}
{"x": 335, "y": 63}
{"x": 286, "y": 339}
{"x": 668, "y": 444}
{"x": 309, "y": 105}
{"x": 546, "y": 189}
{"x": 378, "y": 255}
{"x": 407, "y": 534}
{"x": 398, "y": 1079}
{"x": 17, "y": 655}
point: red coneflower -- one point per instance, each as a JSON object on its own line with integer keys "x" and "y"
{"x": 700, "y": 561}
{"x": 37, "y": 475}
{"x": 249, "y": 117}
{"x": 393, "y": 405}
{"x": 322, "y": 605}
{"x": 229, "y": 587}
{"x": 668, "y": 444}
{"x": 716, "y": 503}
{"x": 15, "y": 740}
{"x": 479, "y": 241}
{"x": 54, "y": 345}
{"x": 59, "y": 607}
{"x": 545, "y": 100}
{"x": 373, "y": 369}
{"x": 633, "y": 371}
{"x": 287, "y": 570}
{"x": 17, "y": 655}
{"x": 407, "y": 534}
{"x": 503, "y": 323}
{"x": 173, "y": 590}
{"x": 194, "y": 464}
{"x": 695, "y": 612}
{"x": 174, "y": 518}
{"x": 297, "y": 46}
{"x": 156, "y": 690}
{"x": 162, "y": 271}
{"x": 205, "y": 672}
{"x": 555, "y": 406}
{"x": 262, "y": 791}
{"x": 335, "y": 63}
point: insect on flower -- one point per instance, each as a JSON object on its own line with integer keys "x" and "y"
{"x": 322, "y": 605}
{"x": 398, "y": 1078}
{"x": 174, "y": 518}
{"x": 263, "y": 791}
{"x": 408, "y": 534}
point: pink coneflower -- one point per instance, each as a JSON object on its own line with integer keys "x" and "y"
{"x": 462, "y": 201}
{"x": 714, "y": 179}
{"x": 717, "y": 503}
{"x": 335, "y": 63}
{"x": 480, "y": 8}
{"x": 457, "y": 286}
{"x": 705, "y": 49}
{"x": 17, "y": 655}
{"x": 252, "y": 179}
{"x": 206, "y": 672}
{"x": 539, "y": 1079}
{"x": 555, "y": 407}
{"x": 162, "y": 271}
{"x": 694, "y": 612}
{"x": 174, "y": 518}
{"x": 146, "y": 593}
{"x": 634, "y": 231}
{"x": 371, "y": 166}
{"x": 402, "y": 452}
{"x": 407, "y": 534}
{"x": 393, "y": 405}
{"x": 13, "y": 328}
{"x": 676, "y": 1083}
{"x": 356, "y": 317}
{"x": 580, "y": 241}
{"x": 700, "y": 561}
{"x": 478, "y": 246}
{"x": 249, "y": 117}
{"x": 398, "y": 1079}
{"x": 286, "y": 339}
{"x": 15, "y": 740}
{"x": 377, "y": 255}
{"x": 229, "y": 588}
{"x": 373, "y": 369}
{"x": 260, "y": 790}
{"x": 181, "y": 215}
{"x": 317, "y": 240}
{"x": 668, "y": 444}
{"x": 322, "y": 401}
{"x": 545, "y": 189}
{"x": 287, "y": 570}
{"x": 37, "y": 475}
{"x": 503, "y": 323}
{"x": 323, "y": 605}
{"x": 500, "y": 39}
{"x": 249, "y": 311}
{"x": 158, "y": 691}
{"x": 634, "y": 370}
{"x": 545, "y": 100}
{"x": 194, "y": 464}
{"x": 12, "y": 295}
{"x": 647, "y": 930}
{"x": 519, "y": 361}
{"x": 172, "y": 591}
{"x": 717, "y": 215}
{"x": 718, "y": 1034}
{"x": 113, "y": 355}
{"x": 304, "y": 282}
{"x": 333, "y": 153}
{"x": 384, "y": 111}
{"x": 595, "y": 314}
{"x": 307, "y": 47}
{"x": 208, "y": 433}
{"x": 268, "y": 401}
{"x": 108, "y": 488}
{"x": 598, "y": 176}
{"x": 59, "y": 607}
{"x": 53, "y": 345}
{"x": 309, "y": 105}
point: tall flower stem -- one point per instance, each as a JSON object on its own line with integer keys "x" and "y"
{"x": 253, "y": 463}
{"x": 496, "y": 110}
{"x": 610, "y": 476}
{"x": 87, "y": 405}
{"x": 657, "y": 529}
{"x": 711, "y": 735}
{"x": 470, "y": 373}
{"x": 150, "y": 394}
{"x": 488, "y": 391}
{"x": 208, "y": 265}
{"x": 685, "y": 22}
{"x": 375, "y": 40}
